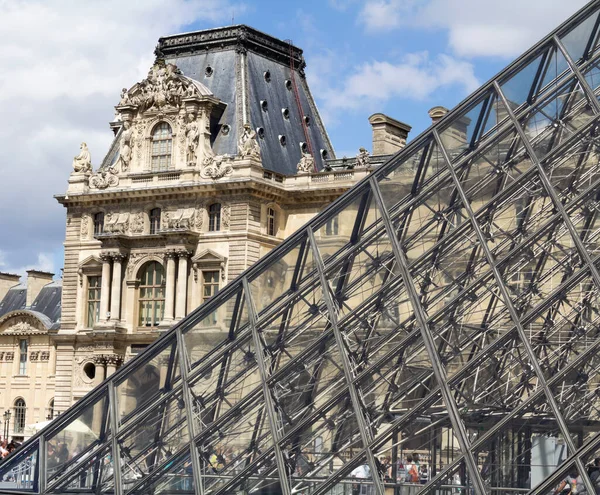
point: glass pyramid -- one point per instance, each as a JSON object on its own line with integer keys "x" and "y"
{"x": 447, "y": 306}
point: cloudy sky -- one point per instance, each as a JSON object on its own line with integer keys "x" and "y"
{"x": 63, "y": 64}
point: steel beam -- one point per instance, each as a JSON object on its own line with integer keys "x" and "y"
{"x": 438, "y": 369}
{"x": 356, "y": 403}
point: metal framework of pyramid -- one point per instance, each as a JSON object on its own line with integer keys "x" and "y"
{"x": 448, "y": 305}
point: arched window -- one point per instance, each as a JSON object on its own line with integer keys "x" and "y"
{"x": 20, "y": 410}
{"x": 152, "y": 294}
{"x": 162, "y": 143}
{"x": 98, "y": 223}
{"x": 214, "y": 217}
{"x": 271, "y": 226}
{"x": 154, "y": 220}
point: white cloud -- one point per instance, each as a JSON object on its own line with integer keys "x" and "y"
{"x": 416, "y": 76}
{"x": 474, "y": 27}
{"x": 62, "y": 67}
{"x": 44, "y": 263}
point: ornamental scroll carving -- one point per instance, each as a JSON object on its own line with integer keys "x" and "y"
{"x": 225, "y": 216}
{"x": 106, "y": 177}
{"x": 216, "y": 167}
{"x": 85, "y": 226}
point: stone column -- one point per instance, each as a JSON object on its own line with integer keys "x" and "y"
{"x": 170, "y": 288}
{"x": 105, "y": 287}
{"x": 100, "y": 362}
{"x": 115, "y": 301}
{"x": 182, "y": 275}
{"x": 195, "y": 286}
{"x": 112, "y": 363}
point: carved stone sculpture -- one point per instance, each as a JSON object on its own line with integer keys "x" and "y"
{"x": 192, "y": 138}
{"x": 82, "y": 163}
{"x": 306, "y": 163}
{"x": 137, "y": 223}
{"x": 106, "y": 177}
{"x": 248, "y": 145}
{"x": 215, "y": 167}
{"x": 125, "y": 100}
{"x": 126, "y": 145}
{"x": 363, "y": 159}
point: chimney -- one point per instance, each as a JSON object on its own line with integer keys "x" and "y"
{"x": 35, "y": 281}
{"x": 389, "y": 135}
{"x": 7, "y": 280}
{"x": 436, "y": 114}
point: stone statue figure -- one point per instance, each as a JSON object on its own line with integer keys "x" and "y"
{"x": 306, "y": 163}
{"x": 363, "y": 159}
{"x": 125, "y": 149}
{"x": 82, "y": 163}
{"x": 125, "y": 100}
{"x": 192, "y": 138}
{"x": 248, "y": 146}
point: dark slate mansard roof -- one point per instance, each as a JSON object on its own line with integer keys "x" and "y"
{"x": 46, "y": 306}
{"x": 233, "y": 61}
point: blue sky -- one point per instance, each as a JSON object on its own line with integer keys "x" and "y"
{"x": 65, "y": 62}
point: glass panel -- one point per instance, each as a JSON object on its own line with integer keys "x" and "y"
{"x": 175, "y": 476}
{"x": 154, "y": 438}
{"x": 278, "y": 278}
{"x": 93, "y": 474}
{"x": 580, "y": 39}
{"x": 20, "y": 472}
{"x": 77, "y": 438}
{"x": 150, "y": 378}
{"x": 215, "y": 328}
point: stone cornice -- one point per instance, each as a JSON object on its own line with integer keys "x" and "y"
{"x": 239, "y": 37}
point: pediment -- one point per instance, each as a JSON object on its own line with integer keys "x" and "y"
{"x": 208, "y": 256}
{"x": 91, "y": 262}
{"x": 22, "y": 323}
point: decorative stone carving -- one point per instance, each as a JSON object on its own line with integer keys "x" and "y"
{"x": 225, "y": 216}
{"x": 182, "y": 218}
{"x": 199, "y": 217}
{"x": 164, "y": 87}
{"x": 192, "y": 138}
{"x": 82, "y": 163}
{"x": 1, "y": 356}
{"x": 363, "y": 159}
{"x": 106, "y": 177}
{"x": 21, "y": 328}
{"x": 116, "y": 223}
{"x": 85, "y": 226}
{"x": 114, "y": 360}
{"x": 45, "y": 356}
{"x": 214, "y": 167}
{"x": 9, "y": 356}
{"x": 248, "y": 145}
{"x": 33, "y": 356}
{"x": 136, "y": 224}
{"x": 306, "y": 163}
{"x": 126, "y": 146}
{"x": 133, "y": 260}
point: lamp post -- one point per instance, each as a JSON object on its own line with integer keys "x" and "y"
{"x": 6, "y": 423}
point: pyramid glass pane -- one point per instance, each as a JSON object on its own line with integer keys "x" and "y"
{"x": 444, "y": 312}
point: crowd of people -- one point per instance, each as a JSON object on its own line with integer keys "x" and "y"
{"x": 6, "y": 447}
{"x": 411, "y": 471}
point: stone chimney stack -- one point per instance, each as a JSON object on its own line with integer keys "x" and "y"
{"x": 436, "y": 114}
{"x": 7, "y": 280}
{"x": 35, "y": 281}
{"x": 389, "y": 135}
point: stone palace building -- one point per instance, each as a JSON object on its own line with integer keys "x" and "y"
{"x": 218, "y": 155}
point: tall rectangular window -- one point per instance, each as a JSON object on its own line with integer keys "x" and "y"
{"x": 93, "y": 301}
{"x": 210, "y": 284}
{"x": 23, "y": 357}
{"x": 271, "y": 221}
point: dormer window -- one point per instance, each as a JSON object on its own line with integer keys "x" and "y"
{"x": 214, "y": 217}
{"x": 98, "y": 223}
{"x": 154, "y": 220}
{"x": 162, "y": 143}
